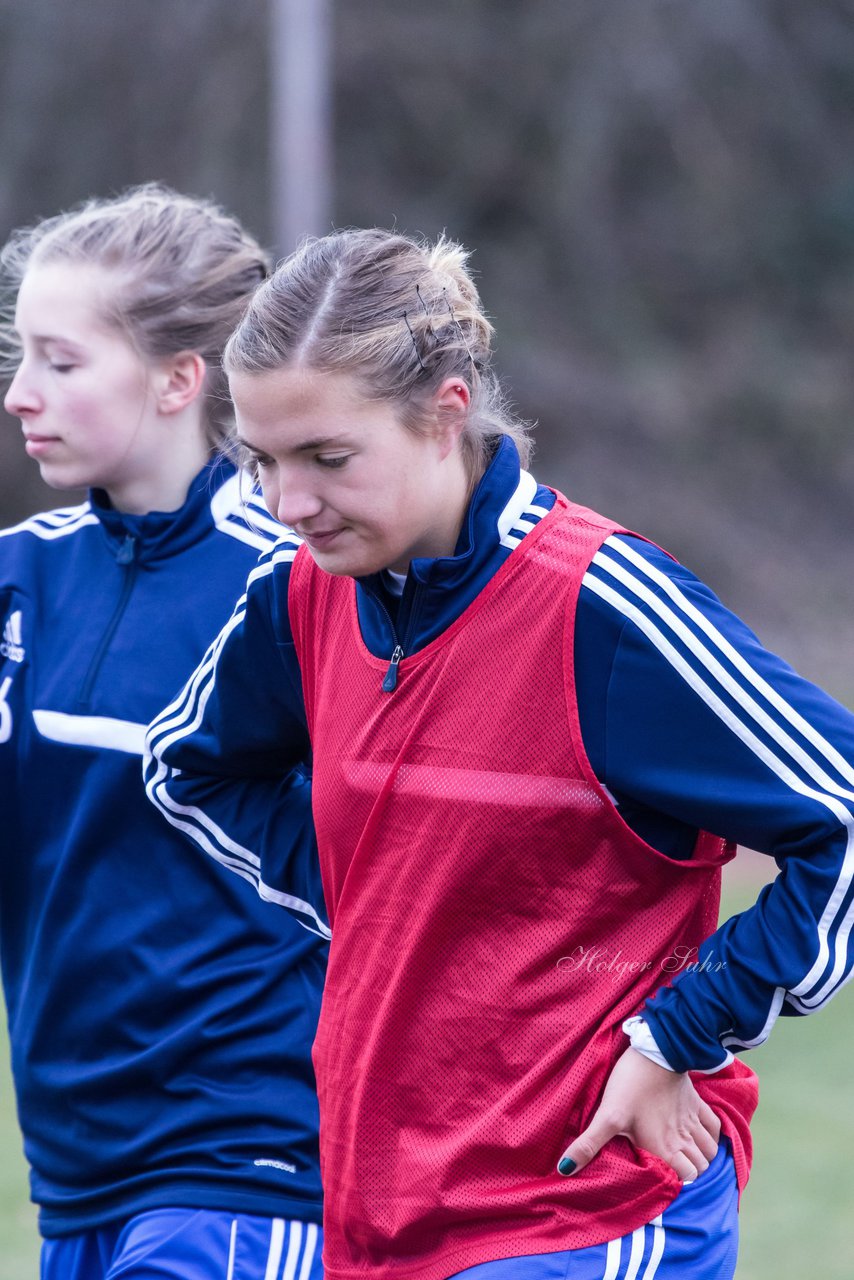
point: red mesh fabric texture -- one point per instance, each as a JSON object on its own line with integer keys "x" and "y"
{"x": 494, "y": 921}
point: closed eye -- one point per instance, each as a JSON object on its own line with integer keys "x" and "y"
{"x": 333, "y": 461}
{"x": 252, "y": 461}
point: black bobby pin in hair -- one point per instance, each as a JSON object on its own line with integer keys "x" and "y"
{"x": 414, "y": 342}
{"x": 460, "y": 330}
{"x": 426, "y": 311}
{"x": 430, "y": 332}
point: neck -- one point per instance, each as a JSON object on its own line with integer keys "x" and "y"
{"x": 452, "y": 495}
{"x": 163, "y": 485}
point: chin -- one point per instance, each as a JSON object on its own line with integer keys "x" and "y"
{"x": 56, "y": 478}
{"x": 343, "y": 566}
{"x": 329, "y": 562}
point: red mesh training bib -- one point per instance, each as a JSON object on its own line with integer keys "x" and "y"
{"x": 494, "y": 921}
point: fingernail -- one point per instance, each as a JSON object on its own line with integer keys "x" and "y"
{"x": 566, "y": 1166}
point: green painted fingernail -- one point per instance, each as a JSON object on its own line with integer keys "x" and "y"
{"x": 566, "y": 1166}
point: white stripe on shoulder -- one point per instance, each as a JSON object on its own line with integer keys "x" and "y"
{"x": 236, "y": 512}
{"x": 91, "y": 731}
{"x": 523, "y": 496}
{"x": 236, "y": 528}
{"x": 55, "y": 524}
{"x": 281, "y": 555}
{"x": 230, "y": 496}
{"x": 728, "y": 683}
{"x": 744, "y": 668}
{"x": 62, "y": 515}
{"x": 257, "y": 511}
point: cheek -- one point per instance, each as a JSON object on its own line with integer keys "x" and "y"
{"x": 412, "y": 499}
{"x": 115, "y": 395}
{"x": 85, "y": 415}
{"x": 404, "y": 480}
{"x": 129, "y": 397}
{"x": 89, "y": 404}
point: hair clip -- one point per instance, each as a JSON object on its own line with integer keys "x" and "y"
{"x": 414, "y": 343}
{"x": 424, "y": 305}
{"x": 460, "y": 330}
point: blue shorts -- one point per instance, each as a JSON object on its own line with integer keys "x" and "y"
{"x": 695, "y": 1238}
{"x": 187, "y": 1244}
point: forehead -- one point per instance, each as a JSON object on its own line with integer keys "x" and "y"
{"x": 291, "y": 401}
{"x": 63, "y": 296}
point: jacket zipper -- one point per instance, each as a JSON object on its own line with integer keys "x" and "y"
{"x": 390, "y": 678}
{"x": 389, "y": 683}
{"x": 126, "y": 557}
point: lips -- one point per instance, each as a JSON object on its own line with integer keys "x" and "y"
{"x": 319, "y": 539}
{"x": 36, "y": 444}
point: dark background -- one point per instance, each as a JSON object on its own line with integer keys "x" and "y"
{"x": 659, "y": 193}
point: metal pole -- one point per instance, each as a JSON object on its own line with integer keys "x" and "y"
{"x": 301, "y": 120}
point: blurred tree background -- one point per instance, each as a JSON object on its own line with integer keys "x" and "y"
{"x": 660, "y": 194}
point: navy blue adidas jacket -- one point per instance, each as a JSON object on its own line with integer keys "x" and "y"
{"x": 687, "y": 721}
{"x": 160, "y": 1015}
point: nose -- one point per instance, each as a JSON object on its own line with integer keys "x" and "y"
{"x": 295, "y": 501}
{"x": 21, "y": 398}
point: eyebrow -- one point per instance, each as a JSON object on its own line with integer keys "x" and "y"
{"x": 44, "y": 339}
{"x": 305, "y": 446}
{"x": 244, "y": 444}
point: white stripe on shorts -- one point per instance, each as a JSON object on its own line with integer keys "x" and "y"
{"x": 655, "y": 1257}
{"x": 231, "y": 1248}
{"x": 614, "y": 1253}
{"x": 274, "y": 1257}
{"x": 294, "y": 1242}
{"x": 311, "y": 1234}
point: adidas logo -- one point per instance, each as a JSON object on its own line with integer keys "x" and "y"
{"x": 10, "y": 645}
{"x": 276, "y": 1164}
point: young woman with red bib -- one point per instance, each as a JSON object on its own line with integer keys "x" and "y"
{"x": 536, "y": 741}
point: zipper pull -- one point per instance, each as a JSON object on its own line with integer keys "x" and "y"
{"x": 390, "y": 679}
{"x": 126, "y": 551}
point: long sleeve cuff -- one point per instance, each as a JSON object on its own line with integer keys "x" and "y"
{"x": 643, "y": 1041}
{"x": 692, "y": 1052}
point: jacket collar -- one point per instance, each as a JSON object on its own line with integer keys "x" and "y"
{"x": 502, "y": 495}
{"x": 503, "y": 508}
{"x": 160, "y": 534}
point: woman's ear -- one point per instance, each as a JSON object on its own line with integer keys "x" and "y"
{"x": 452, "y": 402}
{"x": 179, "y": 381}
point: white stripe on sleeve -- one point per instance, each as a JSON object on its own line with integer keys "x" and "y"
{"x": 677, "y": 642}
